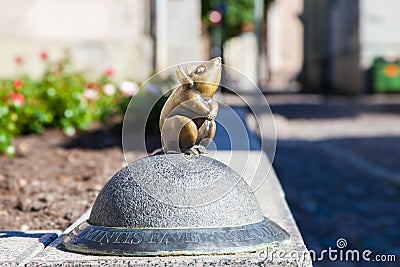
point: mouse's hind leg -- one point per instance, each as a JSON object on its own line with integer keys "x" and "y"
{"x": 206, "y": 133}
{"x": 179, "y": 133}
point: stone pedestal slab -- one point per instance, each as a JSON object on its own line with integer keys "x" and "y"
{"x": 18, "y": 247}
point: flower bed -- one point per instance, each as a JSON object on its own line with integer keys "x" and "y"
{"x": 61, "y": 97}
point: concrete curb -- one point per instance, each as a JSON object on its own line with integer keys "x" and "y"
{"x": 19, "y": 247}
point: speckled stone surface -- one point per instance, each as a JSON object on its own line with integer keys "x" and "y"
{"x": 175, "y": 190}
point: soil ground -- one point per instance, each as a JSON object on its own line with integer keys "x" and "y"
{"x": 53, "y": 178}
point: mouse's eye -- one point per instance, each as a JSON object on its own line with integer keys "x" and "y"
{"x": 200, "y": 69}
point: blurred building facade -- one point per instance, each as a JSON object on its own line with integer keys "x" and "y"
{"x": 241, "y": 53}
{"x": 178, "y": 32}
{"x": 276, "y": 62}
{"x": 342, "y": 38}
{"x": 133, "y": 37}
{"x": 99, "y": 34}
{"x": 284, "y": 44}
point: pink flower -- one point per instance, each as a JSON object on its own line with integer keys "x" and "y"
{"x": 215, "y": 17}
{"x": 43, "y": 55}
{"x": 17, "y": 99}
{"x": 18, "y": 84}
{"x": 19, "y": 60}
{"x": 128, "y": 89}
{"x": 90, "y": 94}
{"x": 109, "y": 89}
{"x": 110, "y": 72}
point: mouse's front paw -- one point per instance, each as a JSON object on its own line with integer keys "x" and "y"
{"x": 196, "y": 150}
{"x": 211, "y": 116}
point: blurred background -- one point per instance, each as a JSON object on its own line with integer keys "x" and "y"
{"x": 330, "y": 70}
{"x": 328, "y": 46}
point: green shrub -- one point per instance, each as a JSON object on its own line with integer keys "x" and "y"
{"x": 62, "y": 97}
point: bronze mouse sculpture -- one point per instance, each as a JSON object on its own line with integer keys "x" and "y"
{"x": 187, "y": 119}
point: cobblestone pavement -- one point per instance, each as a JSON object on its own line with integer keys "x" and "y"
{"x": 338, "y": 160}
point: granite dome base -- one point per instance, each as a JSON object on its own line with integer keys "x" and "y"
{"x": 175, "y": 204}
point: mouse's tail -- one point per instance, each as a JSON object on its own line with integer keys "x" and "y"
{"x": 157, "y": 152}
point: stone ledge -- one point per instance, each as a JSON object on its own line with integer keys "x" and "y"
{"x": 270, "y": 196}
{"x": 18, "y": 247}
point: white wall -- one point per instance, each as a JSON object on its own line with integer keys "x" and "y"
{"x": 241, "y": 53}
{"x": 379, "y": 29}
{"x": 100, "y": 34}
{"x": 284, "y": 42}
{"x": 178, "y": 32}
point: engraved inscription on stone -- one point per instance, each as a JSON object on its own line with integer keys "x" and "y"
{"x": 168, "y": 237}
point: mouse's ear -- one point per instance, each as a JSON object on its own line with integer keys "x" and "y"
{"x": 190, "y": 68}
{"x": 182, "y": 76}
